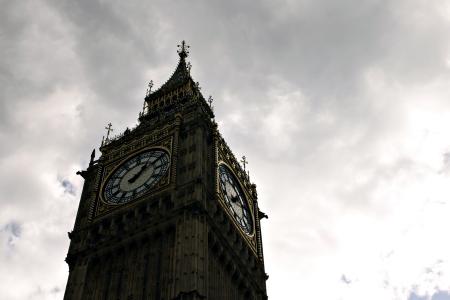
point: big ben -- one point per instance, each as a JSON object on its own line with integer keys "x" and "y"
{"x": 167, "y": 211}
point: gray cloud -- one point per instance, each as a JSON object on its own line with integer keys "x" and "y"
{"x": 446, "y": 162}
{"x": 68, "y": 186}
{"x": 345, "y": 280}
{"x": 338, "y": 106}
{"x": 441, "y": 295}
{"x": 11, "y": 232}
{"x": 438, "y": 295}
{"x": 414, "y": 296}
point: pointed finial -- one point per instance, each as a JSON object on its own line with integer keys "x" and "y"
{"x": 149, "y": 89}
{"x": 244, "y": 161}
{"x": 183, "y": 49}
{"x": 189, "y": 66}
{"x": 92, "y": 158}
{"x": 210, "y": 100}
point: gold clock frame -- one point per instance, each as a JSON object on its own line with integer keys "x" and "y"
{"x": 247, "y": 199}
{"x": 102, "y": 206}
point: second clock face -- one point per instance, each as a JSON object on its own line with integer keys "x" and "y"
{"x": 235, "y": 199}
{"x": 136, "y": 176}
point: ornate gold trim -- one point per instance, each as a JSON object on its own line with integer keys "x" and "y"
{"x": 102, "y": 206}
{"x": 247, "y": 198}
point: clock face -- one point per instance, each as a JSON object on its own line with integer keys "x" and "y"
{"x": 136, "y": 176}
{"x": 235, "y": 199}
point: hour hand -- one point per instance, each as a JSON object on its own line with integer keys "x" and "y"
{"x": 135, "y": 176}
{"x": 235, "y": 199}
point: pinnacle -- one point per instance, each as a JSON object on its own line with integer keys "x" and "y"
{"x": 183, "y": 50}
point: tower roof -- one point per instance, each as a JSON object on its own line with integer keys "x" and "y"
{"x": 178, "y": 78}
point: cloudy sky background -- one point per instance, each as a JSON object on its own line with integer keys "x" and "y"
{"x": 341, "y": 107}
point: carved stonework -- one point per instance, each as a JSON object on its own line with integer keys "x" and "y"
{"x": 111, "y": 153}
{"x": 226, "y": 157}
{"x": 102, "y": 206}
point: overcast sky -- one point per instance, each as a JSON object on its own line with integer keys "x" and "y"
{"x": 342, "y": 109}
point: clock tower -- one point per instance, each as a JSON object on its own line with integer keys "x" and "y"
{"x": 167, "y": 211}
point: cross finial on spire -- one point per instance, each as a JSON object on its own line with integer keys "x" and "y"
{"x": 183, "y": 49}
{"x": 109, "y": 129}
{"x": 244, "y": 161}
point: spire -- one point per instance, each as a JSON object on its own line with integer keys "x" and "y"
{"x": 177, "y": 89}
{"x": 179, "y": 77}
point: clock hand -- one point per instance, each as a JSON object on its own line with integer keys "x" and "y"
{"x": 136, "y": 176}
{"x": 235, "y": 201}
